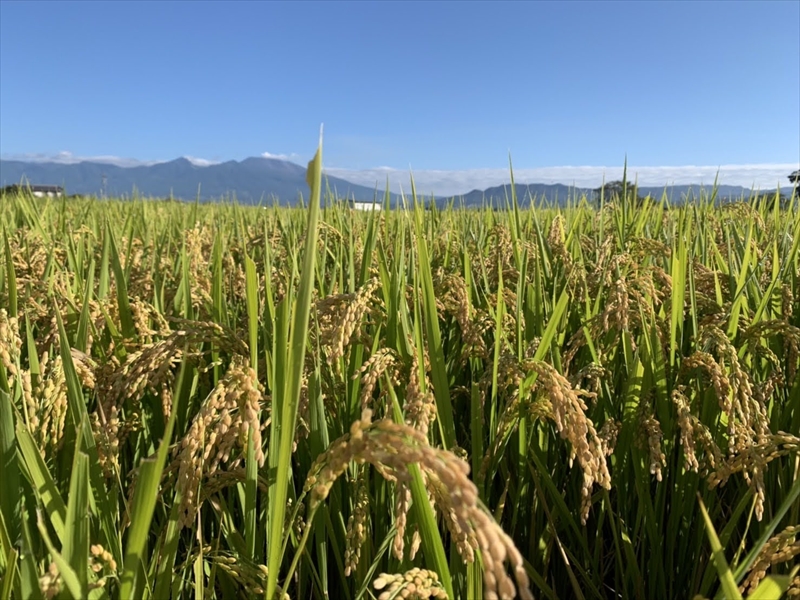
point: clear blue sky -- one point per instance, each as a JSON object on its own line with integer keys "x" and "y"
{"x": 431, "y": 85}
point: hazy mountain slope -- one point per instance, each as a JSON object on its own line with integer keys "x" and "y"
{"x": 250, "y": 180}
{"x": 255, "y": 179}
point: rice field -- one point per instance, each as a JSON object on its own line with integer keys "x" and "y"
{"x": 218, "y": 401}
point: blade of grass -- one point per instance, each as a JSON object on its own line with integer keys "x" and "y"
{"x": 290, "y": 396}
{"x": 771, "y": 587}
{"x": 67, "y": 573}
{"x": 251, "y": 466}
{"x": 99, "y": 499}
{"x": 9, "y": 470}
{"x": 11, "y": 278}
{"x": 728, "y": 583}
{"x": 76, "y": 541}
{"x": 125, "y": 315}
{"x": 441, "y": 386}
{"x": 43, "y": 484}
{"x": 9, "y": 575}
{"x": 144, "y": 502}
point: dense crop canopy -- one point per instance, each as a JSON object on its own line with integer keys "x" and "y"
{"x": 557, "y": 402}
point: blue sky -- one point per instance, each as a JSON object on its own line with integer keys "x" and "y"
{"x": 446, "y": 88}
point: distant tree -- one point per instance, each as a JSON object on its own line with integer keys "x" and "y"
{"x": 794, "y": 177}
{"x": 613, "y": 191}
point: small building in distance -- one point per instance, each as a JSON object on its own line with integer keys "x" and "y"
{"x": 39, "y": 191}
{"x": 360, "y": 205}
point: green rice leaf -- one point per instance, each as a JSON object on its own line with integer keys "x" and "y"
{"x": 11, "y": 278}
{"x": 68, "y": 575}
{"x": 144, "y": 502}
{"x": 289, "y": 396}
{"x": 75, "y": 547}
{"x": 727, "y": 581}
{"x": 125, "y": 315}
{"x": 771, "y": 587}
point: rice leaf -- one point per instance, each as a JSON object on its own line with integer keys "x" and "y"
{"x": 75, "y": 547}
{"x": 73, "y": 584}
{"x": 144, "y": 502}
{"x": 289, "y": 396}
{"x": 11, "y": 278}
{"x": 124, "y": 306}
{"x": 727, "y": 581}
{"x": 771, "y": 587}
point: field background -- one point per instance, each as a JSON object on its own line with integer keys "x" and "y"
{"x": 217, "y": 401}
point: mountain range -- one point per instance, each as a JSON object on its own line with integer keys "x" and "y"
{"x": 268, "y": 180}
{"x": 560, "y": 194}
{"x": 250, "y": 181}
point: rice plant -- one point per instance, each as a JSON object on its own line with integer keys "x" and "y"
{"x": 219, "y": 401}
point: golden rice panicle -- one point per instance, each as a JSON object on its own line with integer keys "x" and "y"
{"x": 617, "y": 310}
{"x": 497, "y": 547}
{"x": 747, "y": 419}
{"x": 102, "y": 561}
{"x": 247, "y": 575}
{"x": 224, "y": 421}
{"x": 370, "y": 372}
{"x": 106, "y": 432}
{"x": 419, "y": 406}
{"x": 329, "y": 465}
{"x": 652, "y": 431}
{"x": 415, "y": 584}
{"x": 357, "y": 527}
{"x": 706, "y": 363}
{"x": 85, "y": 367}
{"x": 243, "y": 386}
{"x": 31, "y": 405}
{"x": 454, "y": 295}
{"x": 794, "y": 588}
{"x": 10, "y": 345}
{"x": 780, "y": 548}
{"x": 50, "y": 583}
{"x": 152, "y": 366}
{"x": 593, "y": 375}
{"x": 692, "y": 432}
{"x": 198, "y": 243}
{"x": 416, "y": 542}
{"x": 401, "y": 508}
{"x": 509, "y": 377}
{"x": 686, "y": 425}
{"x": 753, "y": 461}
{"x": 390, "y": 447}
{"x": 499, "y": 257}
{"x": 465, "y": 539}
{"x": 146, "y": 368}
{"x": 573, "y": 425}
{"x": 791, "y": 345}
{"x": 556, "y": 238}
{"x": 351, "y": 319}
{"x": 52, "y": 407}
{"x": 608, "y": 435}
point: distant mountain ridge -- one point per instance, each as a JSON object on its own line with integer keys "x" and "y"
{"x": 559, "y": 193}
{"x": 258, "y": 179}
{"x": 250, "y": 181}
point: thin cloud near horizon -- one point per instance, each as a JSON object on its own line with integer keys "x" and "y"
{"x": 440, "y": 182}
{"x": 454, "y": 182}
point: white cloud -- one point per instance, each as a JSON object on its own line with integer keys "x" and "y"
{"x": 291, "y": 157}
{"x": 68, "y": 158}
{"x": 445, "y": 183}
{"x": 201, "y": 162}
